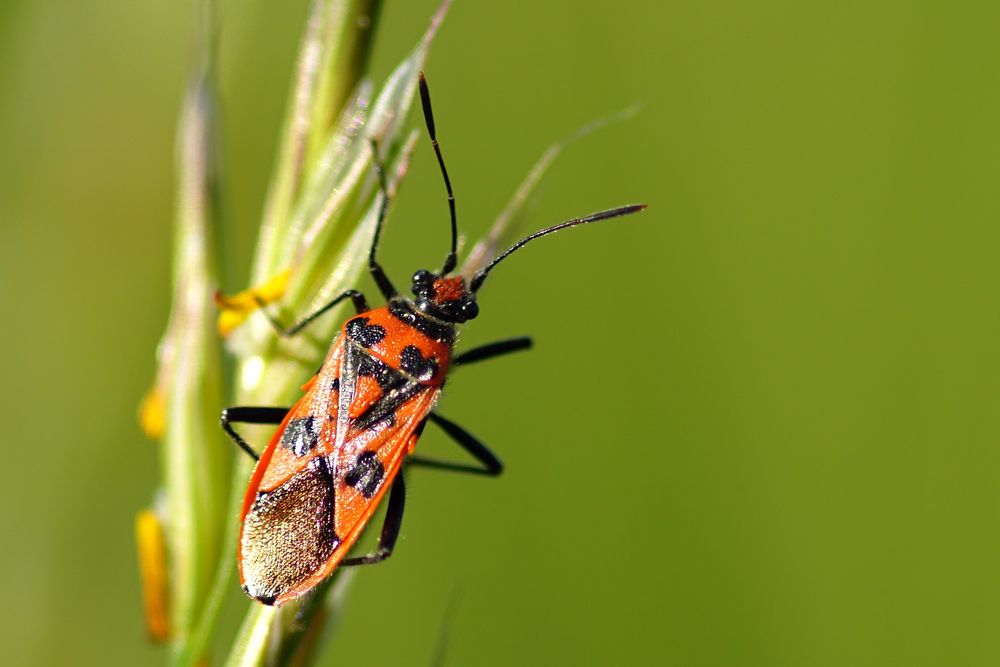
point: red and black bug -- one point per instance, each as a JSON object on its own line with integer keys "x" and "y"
{"x": 342, "y": 446}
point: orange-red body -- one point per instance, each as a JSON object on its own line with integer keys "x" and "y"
{"x": 301, "y": 513}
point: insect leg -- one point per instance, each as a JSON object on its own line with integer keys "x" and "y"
{"x": 490, "y": 465}
{"x": 249, "y": 415}
{"x": 491, "y": 350}
{"x": 390, "y": 527}
{"x": 360, "y": 305}
{"x": 383, "y": 282}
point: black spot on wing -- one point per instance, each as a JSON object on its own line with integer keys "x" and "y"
{"x": 416, "y": 364}
{"x": 383, "y": 411}
{"x": 300, "y": 435}
{"x": 386, "y": 376}
{"x": 364, "y": 334}
{"x": 366, "y": 475}
{"x": 397, "y": 388}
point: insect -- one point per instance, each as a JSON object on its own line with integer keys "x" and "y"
{"x": 341, "y": 448}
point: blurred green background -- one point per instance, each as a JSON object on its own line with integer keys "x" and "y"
{"x": 760, "y": 426}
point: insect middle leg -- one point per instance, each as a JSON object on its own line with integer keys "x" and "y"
{"x": 490, "y": 465}
{"x": 360, "y": 305}
{"x": 495, "y": 349}
{"x": 249, "y": 415}
{"x": 390, "y": 527}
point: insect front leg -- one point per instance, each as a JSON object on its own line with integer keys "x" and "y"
{"x": 249, "y": 415}
{"x": 491, "y": 466}
{"x": 390, "y": 527}
{"x": 378, "y": 273}
{"x": 360, "y": 305}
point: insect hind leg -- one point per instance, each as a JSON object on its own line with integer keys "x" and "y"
{"x": 249, "y": 415}
{"x": 490, "y": 465}
{"x": 390, "y": 527}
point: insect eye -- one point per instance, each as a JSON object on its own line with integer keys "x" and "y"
{"x": 470, "y": 309}
{"x": 423, "y": 276}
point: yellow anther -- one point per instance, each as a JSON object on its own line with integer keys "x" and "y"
{"x": 235, "y": 309}
{"x": 152, "y": 550}
{"x": 153, "y": 413}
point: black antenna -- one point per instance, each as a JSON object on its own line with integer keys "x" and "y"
{"x": 425, "y": 99}
{"x": 477, "y": 280}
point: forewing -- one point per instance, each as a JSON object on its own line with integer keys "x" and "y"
{"x": 288, "y": 513}
{"x": 372, "y": 454}
{"x": 325, "y": 472}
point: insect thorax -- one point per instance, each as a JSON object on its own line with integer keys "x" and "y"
{"x": 409, "y": 312}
